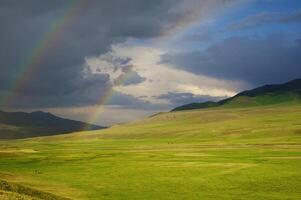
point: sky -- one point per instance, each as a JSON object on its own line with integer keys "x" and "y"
{"x": 110, "y": 62}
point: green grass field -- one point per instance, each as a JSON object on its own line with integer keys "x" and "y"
{"x": 218, "y": 153}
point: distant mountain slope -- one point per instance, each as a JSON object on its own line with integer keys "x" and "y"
{"x": 207, "y": 104}
{"x": 265, "y": 95}
{"x": 22, "y": 125}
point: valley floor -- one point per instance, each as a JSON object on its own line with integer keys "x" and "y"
{"x": 241, "y": 153}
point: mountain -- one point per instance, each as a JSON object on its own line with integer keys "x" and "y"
{"x": 15, "y": 125}
{"x": 265, "y": 95}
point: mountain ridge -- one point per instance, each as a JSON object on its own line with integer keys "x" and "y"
{"x": 16, "y": 125}
{"x": 263, "y": 95}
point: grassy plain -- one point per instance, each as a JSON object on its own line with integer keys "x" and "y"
{"x": 217, "y": 153}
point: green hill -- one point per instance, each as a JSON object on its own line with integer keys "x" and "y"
{"x": 289, "y": 92}
{"x": 22, "y": 125}
{"x": 217, "y": 153}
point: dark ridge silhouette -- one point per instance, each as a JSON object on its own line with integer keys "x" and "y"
{"x": 15, "y": 125}
{"x": 265, "y": 95}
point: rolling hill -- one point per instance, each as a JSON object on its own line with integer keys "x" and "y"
{"x": 265, "y": 95}
{"x": 226, "y": 153}
{"x": 15, "y": 125}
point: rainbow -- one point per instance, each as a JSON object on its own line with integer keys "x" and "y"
{"x": 105, "y": 98}
{"x": 98, "y": 110}
{"x": 45, "y": 45}
{"x": 42, "y": 50}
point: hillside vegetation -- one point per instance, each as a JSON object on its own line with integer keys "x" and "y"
{"x": 216, "y": 153}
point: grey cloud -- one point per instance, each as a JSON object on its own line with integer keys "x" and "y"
{"x": 89, "y": 91}
{"x": 118, "y": 98}
{"x": 128, "y": 74}
{"x": 256, "y": 61}
{"x": 129, "y": 78}
{"x": 199, "y": 37}
{"x": 262, "y": 19}
{"x": 178, "y": 99}
{"x": 59, "y": 77}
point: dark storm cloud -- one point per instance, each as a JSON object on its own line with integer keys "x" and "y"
{"x": 177, "y": 99}
{"x": 39, "y": 94}
{"x": 262, "y": 19}
{"x": 256, "y": 61}
{"x": 60, "y": 77}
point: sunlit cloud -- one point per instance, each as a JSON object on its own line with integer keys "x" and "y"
{"x": 159, "y": 78}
